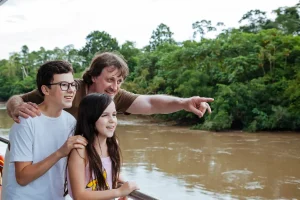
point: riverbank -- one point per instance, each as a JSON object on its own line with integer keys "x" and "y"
{"x": 154, "y": 120}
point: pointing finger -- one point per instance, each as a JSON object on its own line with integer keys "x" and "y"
{"x": 205, "y": 99}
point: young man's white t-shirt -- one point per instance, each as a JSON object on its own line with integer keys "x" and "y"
{"x": 34, "y": 139}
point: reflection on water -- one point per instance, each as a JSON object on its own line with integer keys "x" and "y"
{"x": 176, "y": 163}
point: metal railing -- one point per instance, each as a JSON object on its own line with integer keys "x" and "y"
{"x": 135, "y": 195}
{"x": 6, "y": 141}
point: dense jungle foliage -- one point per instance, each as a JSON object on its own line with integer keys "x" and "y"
{"x": 252, "y": 72}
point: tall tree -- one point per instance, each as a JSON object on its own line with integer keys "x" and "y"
{"x": 98, "y": 42}
{"x": 72, "y": 55}
{"x": 162, "y": 34}
{"x": 288, "y": 19}
{"x": 130, "y": 53}
{"x": 25, "y": 64}
{"x": 203, "y": 27}
{"x": 256, "y": 20}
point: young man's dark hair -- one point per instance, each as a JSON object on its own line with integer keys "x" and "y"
{"x": 46, "y": 72}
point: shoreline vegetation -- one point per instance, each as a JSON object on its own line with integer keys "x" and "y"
{"x": 252, "y": 72}
{"x": 141, "y": 120}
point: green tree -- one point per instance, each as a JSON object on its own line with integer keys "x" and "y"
{"x": 203, "y": 27}
{"x": 288, "y": 19}
{"x": 256, "y": 20}
{"x": 130, "y": 53}
{"x": 162, "y": 34}
{"x": 97, "y": 42}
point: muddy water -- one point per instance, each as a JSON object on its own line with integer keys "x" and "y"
{"x": 171, "y": 162}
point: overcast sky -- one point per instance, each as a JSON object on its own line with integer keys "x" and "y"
{"x": 57, "y": 23}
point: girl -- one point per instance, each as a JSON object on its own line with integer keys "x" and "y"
{"x": 93, "y": 172}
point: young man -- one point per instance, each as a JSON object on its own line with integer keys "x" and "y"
{"x": 106, "y": 75}
{"x": 38, "y": 146}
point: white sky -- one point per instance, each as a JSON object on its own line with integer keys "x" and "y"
{"x": 57, "y": 23}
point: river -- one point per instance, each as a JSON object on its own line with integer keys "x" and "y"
{"x": 170, "y": 162}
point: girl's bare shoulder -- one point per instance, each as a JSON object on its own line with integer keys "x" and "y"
{"x": 79, "y": 153}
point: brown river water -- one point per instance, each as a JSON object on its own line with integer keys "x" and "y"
{"x": 170, "y": 162}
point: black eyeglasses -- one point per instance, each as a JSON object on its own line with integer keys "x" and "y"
{"x": 64, "y": 86}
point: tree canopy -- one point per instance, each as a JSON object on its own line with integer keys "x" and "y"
{"x": 252, "y": 72}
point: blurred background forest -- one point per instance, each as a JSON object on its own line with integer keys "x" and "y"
{"x": 252, "y": 72}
